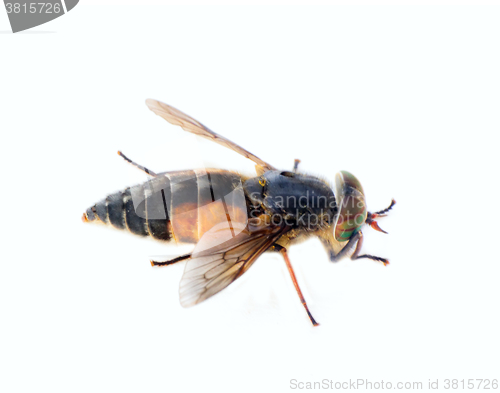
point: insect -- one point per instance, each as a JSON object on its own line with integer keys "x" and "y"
{"x": 233, "y": 219}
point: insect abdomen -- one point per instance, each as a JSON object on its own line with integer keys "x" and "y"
{"x": 118, "y": 211}
{"x": 181, "y": 205}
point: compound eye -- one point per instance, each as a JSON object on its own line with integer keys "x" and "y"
{"x": 351, "y": 204}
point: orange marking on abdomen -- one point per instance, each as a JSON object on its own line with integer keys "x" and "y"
{"x": 185, "y": 222}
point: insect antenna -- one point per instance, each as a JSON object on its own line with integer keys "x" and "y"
{"x": 382, "y": 212}
{"x": 370, "y": 217}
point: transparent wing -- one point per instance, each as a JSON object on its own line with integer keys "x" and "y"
{"x": 213, "y": 268}
{"x": 178, "y": 118}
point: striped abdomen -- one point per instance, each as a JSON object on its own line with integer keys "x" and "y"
{"x": 181, "y": 205}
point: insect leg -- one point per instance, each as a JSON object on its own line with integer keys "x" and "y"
{"x": 172, "y": 261}
{"x": 355, "y": 254}
{"x": 296, "y": 165}
{"x": 374, "y": 258}
{"x": 357, "y": 239}
{"x": 296, "y": 284}
{"x": 142, "y": 168}
{"x": 359, "y": 244}
{"x": 348, "y": 247}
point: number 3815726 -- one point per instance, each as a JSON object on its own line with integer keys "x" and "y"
{"x": 33, "y": 8}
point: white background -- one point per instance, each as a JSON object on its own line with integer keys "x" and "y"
{"x": 406, "y": 98}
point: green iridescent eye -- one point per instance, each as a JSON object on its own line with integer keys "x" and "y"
{"x": 351, "y": 203}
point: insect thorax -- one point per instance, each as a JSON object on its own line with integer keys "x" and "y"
{"x": 296, "y": 199}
